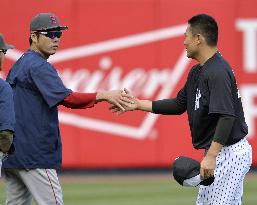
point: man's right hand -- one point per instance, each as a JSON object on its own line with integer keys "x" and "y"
{"x": 6, "y": 139}
{"x": 118, "y": 98}
{"x": 128, "y": 105}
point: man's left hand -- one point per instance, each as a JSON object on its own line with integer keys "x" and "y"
{"x": 208, "y": 165}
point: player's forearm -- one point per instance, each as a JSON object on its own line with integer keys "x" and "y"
{"x": 221, "y": 135}
{"x": 101, "y": 96}
{"x": 223, "y": 129}
{"x": 78, "y": 100}
{"x": 214, "y": 149}
{"x": 168, "y": 107}
{"x": 144, "y": 105}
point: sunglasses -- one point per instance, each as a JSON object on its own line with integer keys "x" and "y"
{"x": 3, "y": 51}
{"x": 51, "y": 34}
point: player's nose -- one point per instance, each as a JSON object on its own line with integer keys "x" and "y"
{"x": 55, "y": 39}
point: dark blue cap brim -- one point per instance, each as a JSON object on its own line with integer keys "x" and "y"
{"x": 6, "y": 47}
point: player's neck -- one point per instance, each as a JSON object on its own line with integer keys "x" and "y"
{"x": 205, "y": 54}
{"x": 34, "y": 48}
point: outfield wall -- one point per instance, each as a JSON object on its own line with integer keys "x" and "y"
{"x": 137, "y": 44}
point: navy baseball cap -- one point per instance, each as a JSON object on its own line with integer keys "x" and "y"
{"x": 3, "y": 45}
{"x": 46, "y": 21}
{"x": 186, "y": 172}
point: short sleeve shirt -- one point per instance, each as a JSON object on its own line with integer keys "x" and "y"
{"x": 37, "y": 91}
{"x": 210, "y": 91}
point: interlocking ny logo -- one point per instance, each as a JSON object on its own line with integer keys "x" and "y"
{"x": 197, "y": 99}
{"x": 136, "y": 132}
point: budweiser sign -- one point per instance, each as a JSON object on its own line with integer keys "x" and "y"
{"x": 136, "y": 45}
{"x": 152, "y": 83}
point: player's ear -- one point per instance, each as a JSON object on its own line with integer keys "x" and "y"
{"x": 199, "y": 38}
{"x": 34, "y": 37}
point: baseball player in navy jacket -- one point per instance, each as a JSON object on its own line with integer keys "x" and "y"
{"x": 38, "y": 90}
{"x": 7, "y": 116}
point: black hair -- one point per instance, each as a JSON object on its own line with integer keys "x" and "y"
{"x": 30, "y": 40}
{"x": 206, "y": 26}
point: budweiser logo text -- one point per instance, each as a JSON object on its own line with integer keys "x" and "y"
{"x": 109, "y": 76}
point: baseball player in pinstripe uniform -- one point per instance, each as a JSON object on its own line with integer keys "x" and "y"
{"x": 215, "y": 114}
{"x": 38, "y": 90}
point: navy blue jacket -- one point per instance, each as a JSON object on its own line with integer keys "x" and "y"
{"x": 37, "y": 90}
{"x": 7, "y": 116}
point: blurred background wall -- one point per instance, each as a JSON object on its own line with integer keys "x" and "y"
{"x": 137, "y": 44}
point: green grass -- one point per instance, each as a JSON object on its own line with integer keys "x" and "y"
{"x": 133, "y": 190}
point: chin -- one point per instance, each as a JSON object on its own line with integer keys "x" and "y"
{"x": 52, "y": 52}
{"x": 189, "y": 55}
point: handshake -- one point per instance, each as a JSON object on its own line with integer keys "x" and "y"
{"x": 121, "y": 100}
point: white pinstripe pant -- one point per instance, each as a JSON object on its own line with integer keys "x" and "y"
{"x": 232, "y": 164}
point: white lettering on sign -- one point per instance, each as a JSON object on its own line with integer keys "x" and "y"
{"x": 249, "y": 29}
{"x": 142, "y": 82}
{"x": 160, "y": 82}
{"x": 249, "y": 96}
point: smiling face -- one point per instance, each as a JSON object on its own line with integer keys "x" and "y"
{"x": 45, "y": 45}
{"x": 191, "y": 42}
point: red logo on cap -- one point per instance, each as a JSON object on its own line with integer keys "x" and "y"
{"x": 53, "y": 19}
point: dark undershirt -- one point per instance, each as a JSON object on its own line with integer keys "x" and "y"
{"x": 171, "y": 107}
{"x": 223, "y": 129}
{"x": 167, "y": 107}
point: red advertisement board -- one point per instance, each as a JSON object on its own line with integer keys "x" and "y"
{"x": 113, "y": 44}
